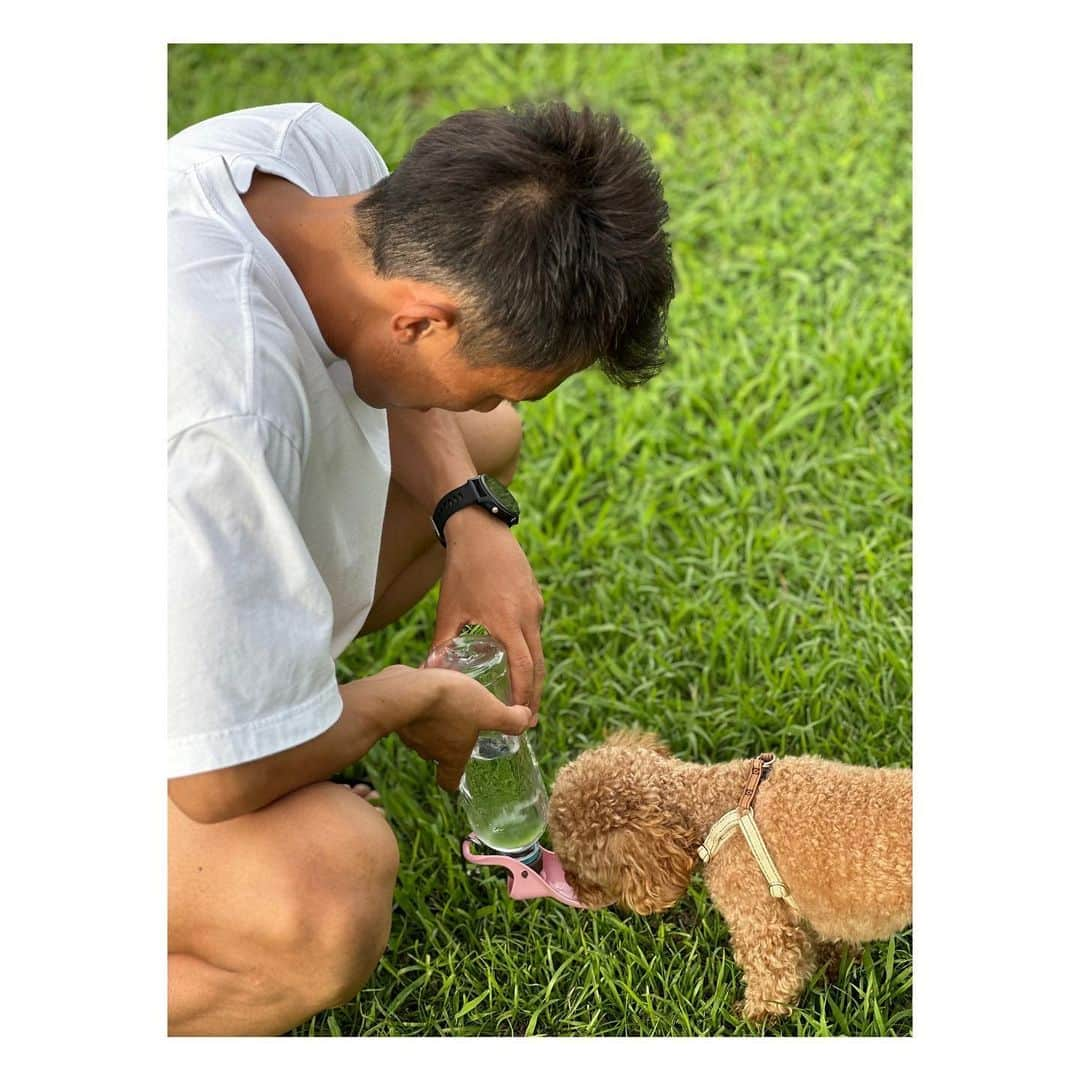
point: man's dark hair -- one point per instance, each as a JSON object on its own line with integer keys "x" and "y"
{"x": 547, "y": 226}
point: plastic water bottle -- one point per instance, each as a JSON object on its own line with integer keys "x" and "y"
{"x": 501, "y": 789}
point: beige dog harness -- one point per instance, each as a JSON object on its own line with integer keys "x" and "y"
{"x": 742, "y": 818}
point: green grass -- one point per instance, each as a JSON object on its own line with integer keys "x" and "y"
{"x": 725, "y": 553}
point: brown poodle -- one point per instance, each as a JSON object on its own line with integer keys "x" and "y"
{"x": 627, "y": 820}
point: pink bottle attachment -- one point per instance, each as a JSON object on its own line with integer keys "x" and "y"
{"x": 526, "y": 882}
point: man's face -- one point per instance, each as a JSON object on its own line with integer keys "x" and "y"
{"x": 461, "y": 387}
{"x": 423, "y": 377}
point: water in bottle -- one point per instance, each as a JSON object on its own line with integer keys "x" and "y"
{"x": 502, "y": 790}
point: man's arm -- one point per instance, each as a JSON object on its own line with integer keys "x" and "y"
{"x": 428, "y": 453}
{"x": 436, "y": 713}
{"x": 487, "y": 578}
{"x": 371, "y": 708}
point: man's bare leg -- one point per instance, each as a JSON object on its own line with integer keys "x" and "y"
{"x": 278, "y": 914}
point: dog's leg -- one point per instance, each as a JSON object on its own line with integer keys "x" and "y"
{"x": 777, "y": 960}
{"x": 775, "y": 952}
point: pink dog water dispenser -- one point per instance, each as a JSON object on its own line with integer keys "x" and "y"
{"x": 527, "y": 882}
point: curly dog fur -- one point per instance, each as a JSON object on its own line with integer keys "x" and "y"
{"x": 626, "y": 820}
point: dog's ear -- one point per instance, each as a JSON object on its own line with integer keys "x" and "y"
{"x": 654, "y": 869}
{"x": 635, "y": 739}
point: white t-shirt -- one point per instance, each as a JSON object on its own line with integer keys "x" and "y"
{"x": 277, "y": 471}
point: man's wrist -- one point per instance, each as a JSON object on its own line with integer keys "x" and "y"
{"x": 392, "y": 698}
{"x": 366, "y": 717}
{"x": 470, "y": 521}
{"x": 485, "y": 491}
{"x": 449, "y": 477}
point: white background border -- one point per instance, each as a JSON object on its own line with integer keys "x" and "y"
{"x": 996, "y": 541}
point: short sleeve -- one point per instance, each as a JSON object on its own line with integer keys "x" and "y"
{"x": 348, "y": 141}
{"x": 249, "y": 617}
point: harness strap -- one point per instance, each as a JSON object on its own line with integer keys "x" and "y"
{"x": 777, "y": 888}
{"x": 759, "y": 771}
{"x": 718, "y": 835}
{"x": 742, "y": 818}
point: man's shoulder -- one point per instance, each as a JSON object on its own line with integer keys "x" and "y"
{"x": 305, "y": 141}
{"x": 331, "y": 153}
{"x": 260, "y": 129}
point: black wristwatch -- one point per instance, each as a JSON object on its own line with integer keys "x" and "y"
{"x": 484, "y": 491}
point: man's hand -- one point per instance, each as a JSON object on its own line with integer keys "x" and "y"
{"x": 488, "y": 580}
{"x": 447, "y": 730}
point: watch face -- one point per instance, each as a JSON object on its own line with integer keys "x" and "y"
{"x": 501, "y": 493}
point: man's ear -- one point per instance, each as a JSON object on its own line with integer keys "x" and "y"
{"x": 418, "y": 318}
{"x": 633, "y": 738}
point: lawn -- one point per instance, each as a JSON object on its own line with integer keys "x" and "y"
{"x": 725, "y": 553}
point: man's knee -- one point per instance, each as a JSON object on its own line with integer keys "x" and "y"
{"x": 333, "y": 914}
{"x": 494, "y": 440}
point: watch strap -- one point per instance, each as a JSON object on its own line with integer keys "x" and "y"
{"x": 451, "y": 503}
{"x": 474, "y": 492}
